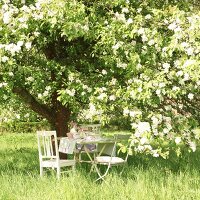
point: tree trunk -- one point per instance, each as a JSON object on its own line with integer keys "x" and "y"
{"x": 57, "y": 115}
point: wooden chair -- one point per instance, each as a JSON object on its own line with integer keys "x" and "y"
{"x": 111, "y": 160}
{"x": 49, "y": 154}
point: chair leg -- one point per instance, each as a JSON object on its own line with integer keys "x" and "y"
{"x": 123, "y": 169}
{"x": 58, "y": 172}
{"x": 100, "y": 175}
{"x": 41, "y": 171}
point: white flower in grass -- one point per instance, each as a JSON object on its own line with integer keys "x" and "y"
{"x": 190, "y": 96}
{"x": 177, "y": 140}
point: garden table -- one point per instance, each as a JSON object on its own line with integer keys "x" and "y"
{"x": 104, "y": 145}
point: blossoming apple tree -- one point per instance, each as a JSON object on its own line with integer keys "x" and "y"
{"x": 135, "y": 59}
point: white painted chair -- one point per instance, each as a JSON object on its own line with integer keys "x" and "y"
{"x": 111, "y": 160}
{"x": 49, "y": 153}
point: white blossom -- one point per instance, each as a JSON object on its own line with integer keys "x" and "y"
{"x": 129, "y": 21}
{"x": 151, "y": 42}
{"x": 172, "y": 26}
{"x": 102, "y": 96}
{"x": 192, "y": 146}
{"x": 143, "y": 127}
{"x": 104, "y": 72}
{"x": 10, "y": 74}
{"x": 112, "y": 97}
{"x": 6, "y": 18}
{"x": 70, "y": 92}
{"x": 190, "y": 96}
{"x": 148, "y": 16}
{"x": 4, "y": 59}
{"x": 30, "y": 78}
{"x": 158, "y": 92}
{"x": 143, "y": 140}
{"x": 155, "y": 154}
{"x": 190, "y": 51}
{"x": 125, "y": 10}
{"x": 177, "y": 140}
{"x": 179, "y": 73}
{"x": 126, "y": 111}
{"x": 28, "y": 45}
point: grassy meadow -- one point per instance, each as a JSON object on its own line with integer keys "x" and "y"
{"x": 145, "y": 178}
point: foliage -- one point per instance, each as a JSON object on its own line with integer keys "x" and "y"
{"x": 135, "y": 59}
{"x": 23, "y": 127}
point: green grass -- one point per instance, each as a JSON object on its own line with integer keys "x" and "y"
{"x": 145, "y": 178}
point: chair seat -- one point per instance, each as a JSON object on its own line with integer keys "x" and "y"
{"x": 53, "y": 163}
{"x": 108, "y": 159}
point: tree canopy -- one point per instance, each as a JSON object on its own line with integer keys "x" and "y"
{"x": 137, "y": 60}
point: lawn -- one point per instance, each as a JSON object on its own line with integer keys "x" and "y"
{"x": 145, "y": 178}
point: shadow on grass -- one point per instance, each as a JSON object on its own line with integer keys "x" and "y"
{"x": 25, "y": 161}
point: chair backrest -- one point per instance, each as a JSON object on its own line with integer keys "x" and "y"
{"x": 91, "y": 128}
{"x": 47, "y": 144}
{"x": 67, "y": 145}
{"x": 122, "y": 138}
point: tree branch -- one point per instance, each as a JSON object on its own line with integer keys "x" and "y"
{"x": 39, "y": 108}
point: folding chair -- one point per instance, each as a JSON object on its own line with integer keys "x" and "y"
{"x": 49, "y": 154}
{"x": 111, "y": 160}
